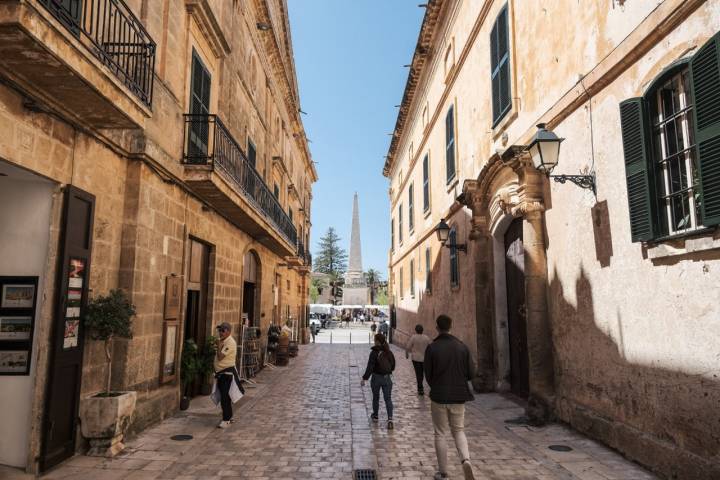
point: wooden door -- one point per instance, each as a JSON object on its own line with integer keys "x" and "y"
{"x": 66, "y": 354}
{"x": 197, "y": 324}
{"x": 517, "y": 328}
{"x": 249, "y": 303}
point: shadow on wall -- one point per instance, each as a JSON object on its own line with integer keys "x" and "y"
{"x": 663, "y": 418}
{"x": 457, "y": 302}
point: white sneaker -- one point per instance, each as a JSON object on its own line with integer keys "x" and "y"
{"x": 468, "y": 470}
{"x": 224, "y": 424}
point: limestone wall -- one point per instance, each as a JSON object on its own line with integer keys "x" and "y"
{"x": 632, "y": 329}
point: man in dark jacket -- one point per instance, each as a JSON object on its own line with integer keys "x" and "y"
{"x": 448, "y": 368}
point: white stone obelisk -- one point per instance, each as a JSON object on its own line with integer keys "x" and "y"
{"x": 355, "y": 291}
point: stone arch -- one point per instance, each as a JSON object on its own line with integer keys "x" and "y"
{"x": 507, "y": 188}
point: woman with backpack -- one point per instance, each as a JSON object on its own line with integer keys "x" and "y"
{"x": 380, "y": 366}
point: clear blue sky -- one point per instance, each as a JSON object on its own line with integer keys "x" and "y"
{"x": 349, "y": 57}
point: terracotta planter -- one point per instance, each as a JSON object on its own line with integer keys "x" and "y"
{"x": 104, "y": 421}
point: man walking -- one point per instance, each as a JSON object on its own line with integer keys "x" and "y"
{"x": 416, "y": 351}
{"x": 448, "y": 368}
{"x": 224, "y": 363}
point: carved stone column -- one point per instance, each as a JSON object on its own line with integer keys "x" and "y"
{"x": 481, "y": 252}
{"x": 539, "y": 333}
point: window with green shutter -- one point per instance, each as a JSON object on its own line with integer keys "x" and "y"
{"x": 411, "y": 207}
{"x": 454, "y": 272}
{"x": 426, "y": 183}
{"x": 671, "y": 142}
{"x": 500, "y": 67}
{"x": 450, "y": 144}
{"x": 705, "y": 77}
{"x": 199, "y": 128}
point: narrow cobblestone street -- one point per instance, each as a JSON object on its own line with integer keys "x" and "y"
{"x": 310, "y": 420}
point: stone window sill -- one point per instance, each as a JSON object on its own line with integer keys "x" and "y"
{"x": 427, "y": 213}
{"x": 452, "y": 183}
{"x": 706, "y": 241}
{"x": 505, "y": 122}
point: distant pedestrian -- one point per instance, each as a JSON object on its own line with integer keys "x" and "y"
{"x": 416, "y": 351}
{"x": 313, "y": 331}
{"x": 380, "y": 366}
{"x": 226, "y": 375}
{"x": 373, "y": 327}
{"x": 448, "y": 368}
{"x": 383, "y": 328}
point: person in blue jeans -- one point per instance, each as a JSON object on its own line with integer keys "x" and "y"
{"x": 380, "y": 366}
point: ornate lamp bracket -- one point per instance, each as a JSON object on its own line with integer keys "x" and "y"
{"x": 583, "y": 181}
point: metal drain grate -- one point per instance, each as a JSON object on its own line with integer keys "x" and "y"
{"x": 181, "y": 438}
{"x": 365, "y": 474}
{"x": 560, "y": 448}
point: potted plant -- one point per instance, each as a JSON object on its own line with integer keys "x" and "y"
{"x": 106, "y": 415}
{"x": 188, "y": 370}
{"x": 206, "y": 363}
{"x": 194, "y": 363}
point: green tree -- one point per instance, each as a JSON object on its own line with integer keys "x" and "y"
{"x": 373, "y": 278}
{"x": 330, "y": 258}
{"x": 108, "y": 317}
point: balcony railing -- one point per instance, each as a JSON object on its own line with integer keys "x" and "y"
{"x": 110, "y": 30}
{"x": 208, "y": 142}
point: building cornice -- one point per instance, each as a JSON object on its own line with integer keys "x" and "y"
{"x": 278, "y": 47}
{"x": 420, "y": 58}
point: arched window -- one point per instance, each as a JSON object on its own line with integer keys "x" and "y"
{"x": 671, "y": 141}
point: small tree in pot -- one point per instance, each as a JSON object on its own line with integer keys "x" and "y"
{"x": 106, "y": 416}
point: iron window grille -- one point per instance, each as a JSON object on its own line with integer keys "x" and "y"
{"x": 674, "y": 151}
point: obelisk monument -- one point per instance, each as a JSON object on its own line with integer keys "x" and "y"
{"x": 355, "y": 291}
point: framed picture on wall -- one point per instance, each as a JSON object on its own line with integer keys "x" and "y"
{"x": 173, "y": 297}
{"x": 14, "y": 362}
{"x": 15, "y": 328}
{"x": 17, "y": 296}
{"x": 168, "y": 357}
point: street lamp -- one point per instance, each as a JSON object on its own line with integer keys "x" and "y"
{"x": 443, "y": 233}
{"x": 544, "y": 150}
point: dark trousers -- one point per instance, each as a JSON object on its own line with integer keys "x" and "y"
{"x": 384, "y": 383}
{"x": 419, "y": 375}
{"x": 223, "y": 384}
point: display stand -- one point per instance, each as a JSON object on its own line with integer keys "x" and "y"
{"x": 266, "y": 356}
{"x": 249, "y": 354}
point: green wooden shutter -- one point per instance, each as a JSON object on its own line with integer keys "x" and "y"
{"x": 637, "y": 170}
{"x": 705, "y": 76}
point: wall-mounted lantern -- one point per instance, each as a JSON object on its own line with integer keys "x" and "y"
{"x": 443, "y": 233}
{"x": 545, "y": 152}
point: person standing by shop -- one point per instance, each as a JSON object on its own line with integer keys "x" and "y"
{"x": 225, "y": 372}
{"x": 416, "y": 351}
{"x": 448, "y": 369}
{"x": 380, "y": 366}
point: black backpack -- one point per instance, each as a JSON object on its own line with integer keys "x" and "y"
{"x": 384, "y": 362}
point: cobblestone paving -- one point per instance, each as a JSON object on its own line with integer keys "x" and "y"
{"x": 310, "y": 420}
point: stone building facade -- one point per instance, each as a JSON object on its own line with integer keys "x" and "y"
{"x": 156, "y": 147}
{"x": 596, "y": 308}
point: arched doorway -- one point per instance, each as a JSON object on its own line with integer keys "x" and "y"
{"x": 251, "y": 288}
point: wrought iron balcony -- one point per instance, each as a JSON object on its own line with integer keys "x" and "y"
{"x": 208, "y": 143}
{"x": 110, "y": 30}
